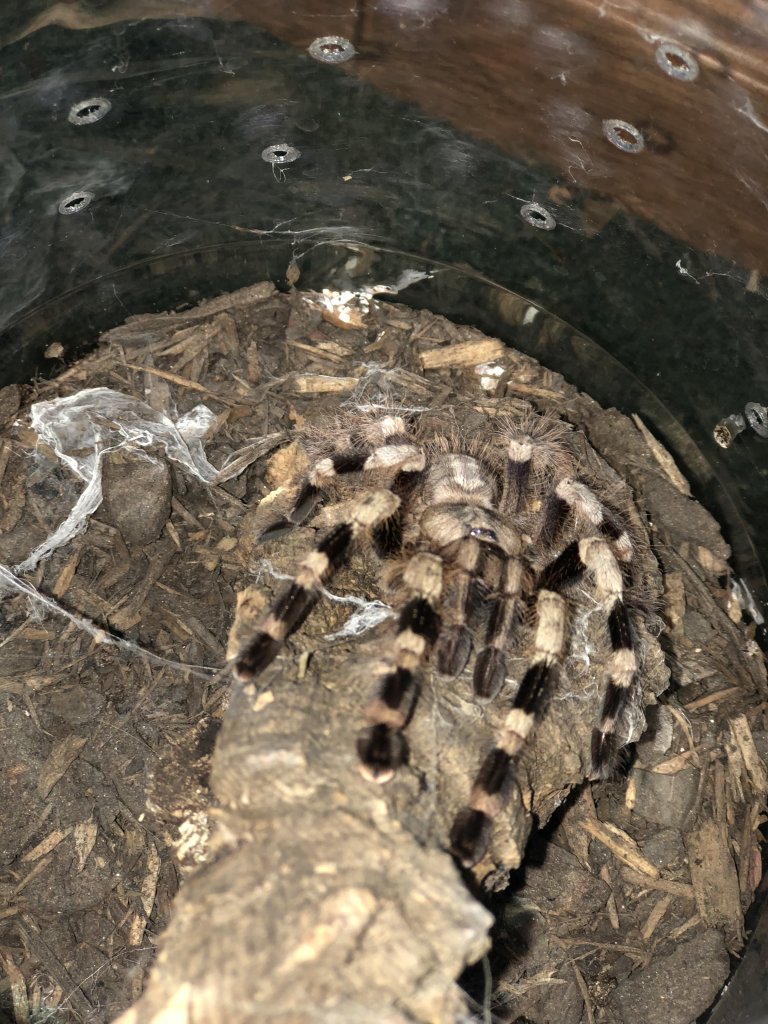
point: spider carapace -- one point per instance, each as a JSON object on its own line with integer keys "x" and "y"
{"x": 483, "y": 543}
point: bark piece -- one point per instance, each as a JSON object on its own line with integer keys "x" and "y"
{"x": 323, "y": 908}
{"x": 714, "y": 878}
{"x": 675, "y": 989}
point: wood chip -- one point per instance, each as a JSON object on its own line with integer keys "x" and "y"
{"x": 248, "y": 456}
{"x": 742, "y": 736}
{"x": 710, "y": 561}
{"x": 735, "y": 770}
{"x": 468, "y": 353}
{"x": 38, "y": 869}
{"x": 622, "y": 846}
{"x": 714, "y": 878}
{"x": 682, "y": 889}
{"x": 584, "y": 994}
{"x": 685, "y": 725}
{"x": 320, "y": 384}
{"x": 611, "y": 907}
{"x": 578, "y": 839}
{"x": 692, "y": 922}
{"x": 174, "y": 378}
{"x": 146, "y": 895}
{"x": 675, "y": 764}
{"x": 50, "y": 842}
{"x": 654, "y": 918}
{"x": 346, "y": 317}
{"x": 322, "y": 352}
{"x": 18, "y": 990}
{"x": 65, "y": 577}
{"x": 84, "y": 835}
{"x": 749, "y": 850}
{"x": 713, "y": 698}
{"x": 62, "y": 755}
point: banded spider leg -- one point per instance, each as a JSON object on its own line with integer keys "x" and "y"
{"x": 593, "y": 556}
{"x": 297, "y": 600}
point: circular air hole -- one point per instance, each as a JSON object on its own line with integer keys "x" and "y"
{"x": 757, "y": 417}
{"x": 280, "y": 153}
{"x": 331, "y": 49}
{"x": 677, "y": 62}
{"x": 623, "y": 135}
{"x": 75, "y": 202}
{"x": 538, "y": 216}
{"x": 89, "y": 111}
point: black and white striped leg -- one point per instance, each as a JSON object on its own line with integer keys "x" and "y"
{"x": 563, "y": 571}
{"x": 506, "y": 613}
{"x": 471, "y": 829}
{"x": 381, "y": 745}
{"x": 571, "y": 499}
{"x": 519, "y": 463}
{"x": 385, "y": 447}
{"x": 300, "y": 596}
{"x": 595, "y": 555}
{"x": 311, "y": 492}
{"x": 599, "y": 558}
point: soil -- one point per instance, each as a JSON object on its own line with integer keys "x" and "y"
{"x": 147, "y": 802}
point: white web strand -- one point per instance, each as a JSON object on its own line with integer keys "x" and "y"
{"x": 38, "y": 600}
{"x": 369, "y": 614}
{"x": 82, "y": 428}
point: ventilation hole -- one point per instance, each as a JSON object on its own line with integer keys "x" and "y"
{"x": 280, "y": 153}
{"x": 538, "y": 216}
{"x": 677, "y": 62}
{"x": 89, "y": 111}
{"x": 757, "y": 418}
{"x": 331, "y": 49}
{"x": 623, "y": 135}
{"x": 75, "y": 202}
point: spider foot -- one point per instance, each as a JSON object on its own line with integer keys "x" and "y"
{"x": 382, "y": 750}
{"x": 470, "y": 836}
{"x": 490, "y": 673}
{"x": 254, "y": 658}
{"x": 605, "y": 750}
{"x": 453, "y": 650}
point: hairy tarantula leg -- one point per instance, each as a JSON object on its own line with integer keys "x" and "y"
{"x": 454, "y": 644}
{"x": 573, "y": 498}
{"x": 381, "y": 745}
{"x": 491, "y": 665}
{"x": 563, "y": 571}
{"x": 623, "y": 666}
{"x": 394, "y": 453}
{"x": 595, "y": 554}
{"x": 471, "y": 828}
{"x": 321, "y": 474}
{"x": 300, "y": 596}
{"x": 519, "y": 460}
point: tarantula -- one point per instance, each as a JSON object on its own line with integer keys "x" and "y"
{"x": 482, "y": 543}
